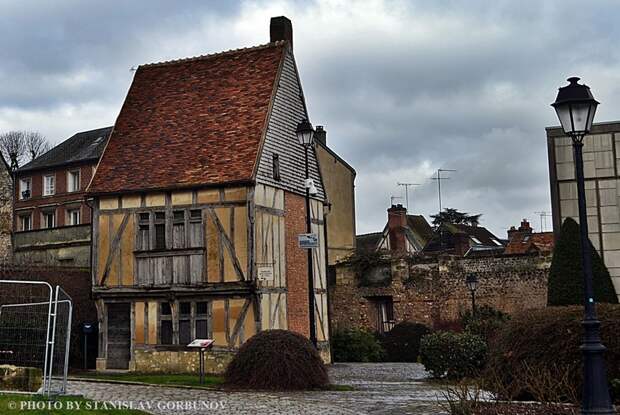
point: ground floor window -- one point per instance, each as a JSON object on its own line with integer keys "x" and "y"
{"x": 190, "y": 318}
{"x": 384, "y": 313}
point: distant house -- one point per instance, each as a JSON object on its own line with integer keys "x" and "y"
{"x": 51, "y": 222}
{"x": 339, "y": 181}
{"x": 402, "y": 233}
{"x": 198, "y": 201}
{"x": 464, "y": 240}
{"x": 525, "y": 241}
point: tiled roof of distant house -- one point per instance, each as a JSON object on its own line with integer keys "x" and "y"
{"x": 419, "y": 225}
{"x": 81, "y": 147}
{"x": 190, "y": 122}
{"x": 479, "y": 239}
{"x": 542, "y": 242}
{"x": 368, "y": 242}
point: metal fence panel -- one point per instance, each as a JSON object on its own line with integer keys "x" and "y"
{"x": 35, "y": 328}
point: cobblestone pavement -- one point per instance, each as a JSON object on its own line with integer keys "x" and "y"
{"x": 380, "y": 388}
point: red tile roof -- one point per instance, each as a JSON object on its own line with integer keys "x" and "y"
{"x": 537, "y": 242}
{"x": 191, "y": 122}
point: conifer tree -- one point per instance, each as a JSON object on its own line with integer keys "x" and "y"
{"x": 566, "y": 277}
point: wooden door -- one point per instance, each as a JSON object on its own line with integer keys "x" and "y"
{"x": 119, "y": 335}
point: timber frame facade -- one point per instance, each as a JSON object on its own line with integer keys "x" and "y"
{"x": 217, "y": 259}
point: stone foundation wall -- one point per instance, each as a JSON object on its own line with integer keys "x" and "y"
{"x": 165, "y": 361}
{"x": 433, "y": 292}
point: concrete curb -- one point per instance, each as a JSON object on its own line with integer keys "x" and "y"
{"x": 128, "y": 382}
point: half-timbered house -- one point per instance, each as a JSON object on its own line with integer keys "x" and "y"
{"x": 198, "y": 201}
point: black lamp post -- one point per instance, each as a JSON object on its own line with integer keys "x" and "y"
{"x": 305, "y": 135}
{"x": 575, "y": 107}
{"x": 472, "y": 284}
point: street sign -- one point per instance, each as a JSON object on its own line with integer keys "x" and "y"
{"x": 202, "y": 343}
{"x": 308, "y": 240}
{"x": 265, "y": 273}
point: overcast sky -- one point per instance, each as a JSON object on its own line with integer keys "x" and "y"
{"x": 403, "y": 88}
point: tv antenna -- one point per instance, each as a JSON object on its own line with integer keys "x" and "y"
{"x": 543, "y": 219}
{"x": 407, "y": 186}
{"x": 439, "y": 179}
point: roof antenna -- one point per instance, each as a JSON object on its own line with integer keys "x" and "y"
{"x": 543, "y": 218}
{"x": 407, "y": 186}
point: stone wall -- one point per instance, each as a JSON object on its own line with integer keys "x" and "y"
{"x": 6, "y": 211}
{"x": 434, "y": 292}
{"x": 180, "y": 361}
{"x": 66, "y": 246}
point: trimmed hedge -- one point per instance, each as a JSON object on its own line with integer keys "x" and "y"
{"x": 565, "y": 276}
{"x": 277, "y": 360}
{"x": 547, "y": 341}
{"x": 453, "y": 355}
{"x": 355, "y": 345}
{"x": 402, "y": 343}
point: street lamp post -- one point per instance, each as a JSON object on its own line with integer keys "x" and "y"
{"x": 305, "y": 135}
{"x": 575, "y": 107}
{"x": 472, "y": 283}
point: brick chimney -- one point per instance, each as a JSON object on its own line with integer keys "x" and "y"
{"x": 397, "y": 220}
{"x": 320, "y": 135}
{"x": 524, "y": 229}
{"x": 461, "y": 243}
{"x": 281, "y": 28}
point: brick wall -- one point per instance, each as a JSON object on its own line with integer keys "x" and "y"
{"x": 430, "y": 292}
{"x": 296, "y": 265}
{"x": 62, "y": 199}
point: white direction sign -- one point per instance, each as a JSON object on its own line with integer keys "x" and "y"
{"x": 308, "y": 240}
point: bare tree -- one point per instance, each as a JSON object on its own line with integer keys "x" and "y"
{"x": 18, "y": 147}
{"x": 13, "y": 147}
{"x": 36, "y": 144}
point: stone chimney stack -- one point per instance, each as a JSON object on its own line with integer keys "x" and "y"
{"x": 397, "y": 220}
{"x": 320, "y": 135}
{"x": 281, "y": 28}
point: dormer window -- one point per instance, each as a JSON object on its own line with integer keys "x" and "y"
{"x": 49, "y": 185}
{"x": 25, "y": 188}
{"x": 276, "y": 167}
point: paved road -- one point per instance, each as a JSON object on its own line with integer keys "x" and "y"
{"x": 381, "y": 388}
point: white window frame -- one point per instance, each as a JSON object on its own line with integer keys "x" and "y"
{"x": 476, "y": 240}
{"x": 44, "y": 215}
{"x": 70, "y": 181}
{"x": 70, "y": 212}
{"x": 22, "y": 217}
{"x": 23, "y": 187}
{"x": 52, "y": 190}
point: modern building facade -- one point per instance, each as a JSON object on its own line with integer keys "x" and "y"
{"x": 51, "y": 221}
{"x": 601, "y": 154}
{"x": 199, "y": 199}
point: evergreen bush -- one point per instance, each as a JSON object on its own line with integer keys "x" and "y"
{"x": 565, "y": 276}
{"x": 402, "y": 343}
{"x": 356, "y": 345}
{"x": 485, "y": 322}
{"x": 277, "y": 360}
{"x": 453, "y": 355}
